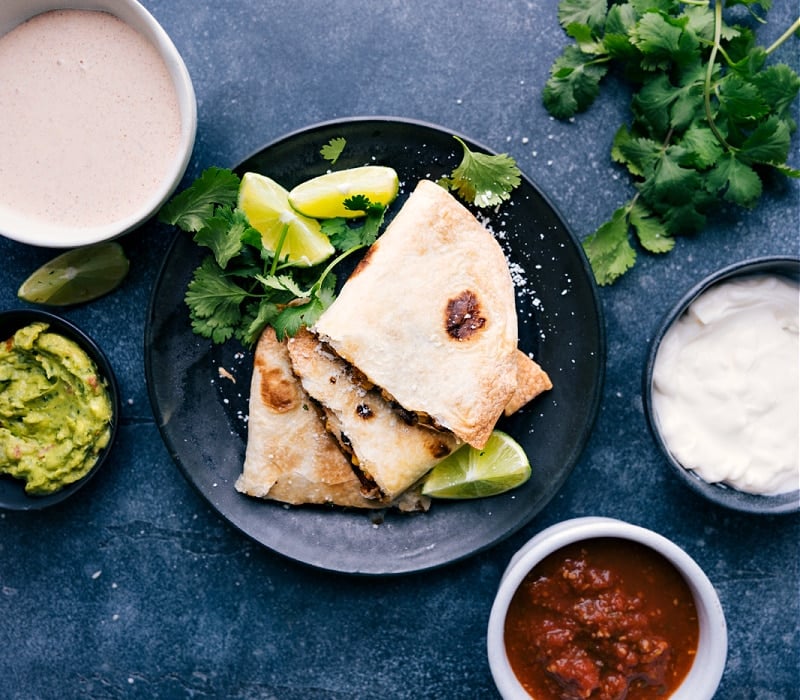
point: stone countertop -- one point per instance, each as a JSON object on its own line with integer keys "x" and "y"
{"x": 136, "y": 588}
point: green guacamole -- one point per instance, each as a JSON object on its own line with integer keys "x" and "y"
{"x": 55, "y": 410}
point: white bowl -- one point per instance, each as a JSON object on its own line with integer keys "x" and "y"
{"x": 54, "y": 235}
{"x": 729, "y": 497}
{"x": 706, "y": 671}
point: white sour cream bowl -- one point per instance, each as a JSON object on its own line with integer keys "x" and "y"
{"x": 104, "y": 128}
{"x": 721, "y": 386}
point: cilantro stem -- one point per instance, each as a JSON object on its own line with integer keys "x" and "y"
{"x": 318, "y": 284}
{"x": 783, "y": 37}
{"x": 710, "y": 72}
{"x": 277, "y": 255}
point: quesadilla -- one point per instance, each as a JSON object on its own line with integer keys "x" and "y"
{"x": 290, "y": 456}
{"x": 390, "y": 449}
{"x": 429, "y": 316}
{"x": 532, "y": 380}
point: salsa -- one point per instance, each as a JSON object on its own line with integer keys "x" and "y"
{"x": 602, "y": 619}
{"x": 55, "y": 410}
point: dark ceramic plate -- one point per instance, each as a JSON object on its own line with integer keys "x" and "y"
{"x": 719, "y": 493}
{"x": 202, "y": 416}
{"x": 12, "y": 491}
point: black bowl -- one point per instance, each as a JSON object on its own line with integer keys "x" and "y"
{"x": 12, "y": 491}
{"x": 721, "y": 494}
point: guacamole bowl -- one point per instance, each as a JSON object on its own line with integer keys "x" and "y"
{"x": 59, "y": 409}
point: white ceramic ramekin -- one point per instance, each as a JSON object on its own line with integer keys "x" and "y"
{"x": 15, "y": 12}
{"x": 704, "y": 676}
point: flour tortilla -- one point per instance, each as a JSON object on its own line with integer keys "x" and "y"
{"x": 429, "y": 316}
{"x": 532, "y": 380}
{"x": 392, "y": 453}
{"x": 290, "y": 456}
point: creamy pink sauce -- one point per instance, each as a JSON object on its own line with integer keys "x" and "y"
{"x": 89, "y": 119}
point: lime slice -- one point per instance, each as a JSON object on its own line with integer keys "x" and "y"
{"x": 79, "y": 275}
{"x": 266, "y": 206}
{"x": 323, "y": 197}
{"x": 472, "y": 473}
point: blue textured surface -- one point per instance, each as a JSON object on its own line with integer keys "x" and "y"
{"x": 136, "y": 588}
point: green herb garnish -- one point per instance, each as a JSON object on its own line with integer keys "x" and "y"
{"x": 333, "y": 149}
{"x": 481, "y": 179}
{"x": 709, "y": 116}
{"x": 240, "y": 288}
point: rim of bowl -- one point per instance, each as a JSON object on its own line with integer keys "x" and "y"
{"x": 134, "y": 14}
{"x": 708, "y": 666}
{"x": 12, "y": 491}
{"x": 784, "y": 265}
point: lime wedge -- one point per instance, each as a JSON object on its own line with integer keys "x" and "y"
{"x": 323, "y": 197}
{"x": 79, "y": 275}
{"x": 472, "y": 473}
{"x": 265, "y": 204}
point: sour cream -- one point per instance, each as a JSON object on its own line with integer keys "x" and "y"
{"x": 90, "y": 119}
{"x": 725, "y": 385}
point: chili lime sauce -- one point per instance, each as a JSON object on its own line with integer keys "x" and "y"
{"x": 90, "y": 117}
{"x": 603, "y": 619}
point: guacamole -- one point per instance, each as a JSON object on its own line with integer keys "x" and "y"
{"x": 55, "y": 410}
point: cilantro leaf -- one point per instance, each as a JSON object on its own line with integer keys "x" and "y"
{"x": 223, "y": 234}
{"x": 482, "y": 179}
{"x": 191, "y": 208}
{"x": 333, "y": 149}
{"x": 341, "y": 233}
{"x": 707, "y": 113}
{"x": 592, "y": 13}
{"x": 736, "y": 181}
{"x": 574, "y": 83}
{"x": 609, "y": 250}
{"x": 214, "y": 302}
{"x": 650, "y": 230}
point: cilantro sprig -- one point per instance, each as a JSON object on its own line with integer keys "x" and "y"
{"x": 710, "y": 116}
{"x": 240, "y": 287}
{"x": 482, "y": 179}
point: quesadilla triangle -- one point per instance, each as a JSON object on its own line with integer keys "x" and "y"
{"x": 290, "y": 456}
{"x": 391, "y": 450}
{"x": 532, "y": 380}
{"x": 429, "y": 316}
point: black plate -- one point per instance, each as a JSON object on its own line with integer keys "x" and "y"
{"x": 202, "y": 416}
{"x": 12, "y": 491}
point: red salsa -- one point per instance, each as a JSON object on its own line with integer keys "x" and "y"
{"x": 602, "y": 619}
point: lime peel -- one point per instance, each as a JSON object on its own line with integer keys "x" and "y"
{"x": 324, "y": 196}
{"x": 501, "y": 465}
{"x": 77, "y": 276}
{"x": 265, "y": 204}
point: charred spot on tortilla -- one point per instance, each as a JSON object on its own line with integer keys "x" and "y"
{"x": 463, "y": 317}
{"x": 277, "y": 392}
{"x": 364, "y": 411}
{"x": 408, "y": 417}
{"x": 439, "y": 449}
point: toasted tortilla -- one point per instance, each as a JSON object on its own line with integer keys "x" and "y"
{"x": 532, "y": 380}
{"x": 429, "y": 316}
{"x": 391, "y": 451}
{"x": 290, "y": 456}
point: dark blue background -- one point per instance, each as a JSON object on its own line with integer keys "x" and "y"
{"x": 136, "y": 588}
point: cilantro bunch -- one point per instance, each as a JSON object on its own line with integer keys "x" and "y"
{"x": 241, "y": 287}
{"x": 709, "y": 116}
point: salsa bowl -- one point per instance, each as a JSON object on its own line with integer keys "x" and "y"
{"x": 606, "y": 560}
